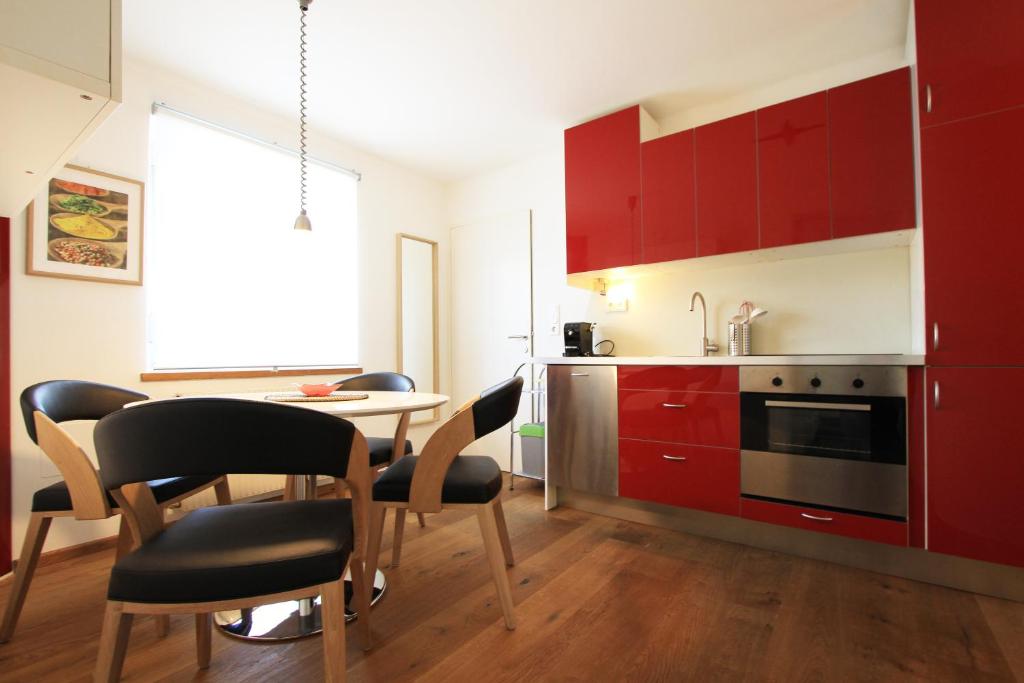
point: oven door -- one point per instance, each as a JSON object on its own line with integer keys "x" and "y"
{"x": 838, "y": 452}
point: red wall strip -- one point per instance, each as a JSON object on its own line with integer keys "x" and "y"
{"x": 5, "y": 395}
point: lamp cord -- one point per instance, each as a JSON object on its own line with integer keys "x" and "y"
{"x": 303, "y": 6}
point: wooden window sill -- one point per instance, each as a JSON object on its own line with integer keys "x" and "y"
{"x": 177, "y": 375}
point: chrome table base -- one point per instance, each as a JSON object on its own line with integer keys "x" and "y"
{"x": 287, "y": 620}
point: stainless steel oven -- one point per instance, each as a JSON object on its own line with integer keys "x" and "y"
{"x": 833, "y": 437}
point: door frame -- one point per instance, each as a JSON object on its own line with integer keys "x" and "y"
{"x": 5, "y": 395}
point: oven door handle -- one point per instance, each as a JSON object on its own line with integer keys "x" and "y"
{"x": 860, "y": 407}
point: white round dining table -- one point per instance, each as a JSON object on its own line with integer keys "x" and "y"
{"x": 298, "y": 618}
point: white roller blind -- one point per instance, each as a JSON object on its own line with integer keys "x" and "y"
{"x": 229, "y": 283}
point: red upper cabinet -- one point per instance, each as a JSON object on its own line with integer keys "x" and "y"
{"x": 602, "y": 192}
{"x": 973, "y": 238}
{"x": 669, "y": 221}
{"x": 970, "y": 57}
{"x": 726, "y": 162}
{"x": 871, "y": 139}
{"x": 975, "y": 468}
{"x": 792, "y": 147}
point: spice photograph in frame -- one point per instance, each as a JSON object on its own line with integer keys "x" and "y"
{"x": 87, "y": 225}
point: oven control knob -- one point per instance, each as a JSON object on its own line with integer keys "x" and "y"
{"x": 858, "y": 383}
{"x": 777, "y": 381}
{"x": 815, "y": 382}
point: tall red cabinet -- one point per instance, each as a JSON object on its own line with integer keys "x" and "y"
{"x": 971, "y": 86}
{"x": 603, "y": 211}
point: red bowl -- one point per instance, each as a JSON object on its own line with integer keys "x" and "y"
{"x": 317, "y": 389}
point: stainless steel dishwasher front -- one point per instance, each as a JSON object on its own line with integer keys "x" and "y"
{"x": 583, "y": 428}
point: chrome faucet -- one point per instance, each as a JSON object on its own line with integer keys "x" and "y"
{"x": 705, "y": 345}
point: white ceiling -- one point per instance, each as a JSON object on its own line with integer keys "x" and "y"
{"x": 454, "y": 87}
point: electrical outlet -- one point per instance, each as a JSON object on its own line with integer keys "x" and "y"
{"x": 618, "y": 306}
{"x": 556, "y": 321}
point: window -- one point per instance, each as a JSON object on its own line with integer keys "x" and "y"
{"x": 229, "y": 283}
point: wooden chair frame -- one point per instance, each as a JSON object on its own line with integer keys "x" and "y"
{"x": 145, "y": 522}
{"x": 425, "y": 496}
{"x": 88, "y": 501}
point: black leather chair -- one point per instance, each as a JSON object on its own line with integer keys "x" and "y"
{"x": 382, "y": 448}
{"x": 80, "y": 494}
{"x": 237, "y": 556}
{"x": 440, "y": 478}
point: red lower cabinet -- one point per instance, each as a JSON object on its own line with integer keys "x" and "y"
{"x": 698, "y": 477}
{"x": 976, "y": 463}
{"x": 826, "y": 521}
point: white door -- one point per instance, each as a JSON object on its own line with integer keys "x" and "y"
{"x": 491, "y": 316}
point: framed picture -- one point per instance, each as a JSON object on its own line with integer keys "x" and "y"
{"x": 87, "y": 225}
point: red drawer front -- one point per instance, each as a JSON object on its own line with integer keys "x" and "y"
{"x": 701, "y": 419}
{"x": 680, "y": 378}
{"x": 840, "y": 524}
{"x": 697, "y": 477}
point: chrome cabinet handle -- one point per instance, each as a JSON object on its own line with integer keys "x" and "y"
{"x": 816, "y": 519}
{"x": 675, "y": 458}
{"x": 579, "y": 374}
{"x": 935, "y": 397}
{"x": 928, "y": 98}
{"x": 935, "y": 336}
{"x": 673, "y": 405}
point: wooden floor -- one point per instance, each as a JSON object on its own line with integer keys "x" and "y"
{"x": 597, "y": 600}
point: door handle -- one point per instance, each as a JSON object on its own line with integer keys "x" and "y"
{"x": 928, "y": 98}
{"x": 519, "y": 336}
{"x": 673, "y": 405}
{"x": 675, "y": 458}
{"x": 816, "y": 518}
{"x": 935, "y": 395}
{"x": 935, "y": 336}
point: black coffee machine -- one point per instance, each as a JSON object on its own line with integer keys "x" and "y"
{"x": 579, "y": 339}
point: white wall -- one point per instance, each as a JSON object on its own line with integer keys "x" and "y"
{"x": 849, "y": 303}
{"x": 95, "y": 331}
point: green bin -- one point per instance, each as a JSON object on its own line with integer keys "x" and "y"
{"x": 532, "y": 436}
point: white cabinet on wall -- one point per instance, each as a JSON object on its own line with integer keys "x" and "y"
{"x": 60, "y": 75}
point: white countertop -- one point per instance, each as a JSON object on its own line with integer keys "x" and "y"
{"x": 824, "y": 359}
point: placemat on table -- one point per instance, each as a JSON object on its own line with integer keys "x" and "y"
{"x": 299, "y": 397}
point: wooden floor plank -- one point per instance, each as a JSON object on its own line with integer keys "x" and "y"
{"x": 596, "y": 599}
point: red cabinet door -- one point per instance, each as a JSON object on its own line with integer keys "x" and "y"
{"x": 680, "y": 377}
{"x": 976, "y": 463}
{"x": 695, "y": 477}
{"x": 726, "y": 163}
{"x": 699, "y": 418}
{"x": 826, "y": 521}
{"x": 602, "y": 192}
{"x": 973, "y": 239}
{"x": 871, "y": 150}
{"x": 669, "y": 221}
{"x": 792, "y": 171}
{"x": 970, "y": 57}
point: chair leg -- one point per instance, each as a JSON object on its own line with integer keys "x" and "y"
{"x": 396, "y": 543}
{"x": 117, "y": 627}
{"x": 125, "y": 542}
{"x": 378, "y": 512}
{"x": 332, "y": 615}
{"x": 223, "y": 492}
{"x": 35, "y": 535}
{"x": 361, "y": 594}
{"x": 289, "y": 487}
{"x": 506, "y": 544}
{"x": 163, "y": 624}
{"x": 204, "y": 629}
{"x": 492, "y": 544}
{"x": 422, "y": 519}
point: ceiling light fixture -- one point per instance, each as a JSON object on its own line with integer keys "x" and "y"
{"x": 302, "y": 221}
